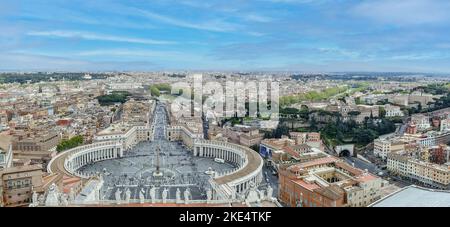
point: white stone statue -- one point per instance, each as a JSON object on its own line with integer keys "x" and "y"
{"x": 35, "y": 199}
{"x": 52, "y": 199}
{"x": 141, "y": 196}
{"x": 71, "y": 195}
{"x": 253, "y": 194}
{"x": 269, "y": 192}
{"x": 153, "y": 194}
{"x": 262, "y": 195}
{"x": 127, "y": 195}
{"x": 208, "y": 195}
{"x": 118, "y": 195}
{"x": 178, "y": 196}
{"x": 63, "y": 200}
{"x": 187, "y": 194}
{"x": 41, "y": 199}
{"x": 164, "y": 194}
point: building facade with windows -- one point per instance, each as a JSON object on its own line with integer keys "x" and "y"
{"x": 18, "y": 184}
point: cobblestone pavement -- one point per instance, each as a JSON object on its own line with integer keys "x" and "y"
{"x": 134, "y": 171}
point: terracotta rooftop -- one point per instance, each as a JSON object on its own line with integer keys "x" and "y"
{"x": 5, "y": 141}
{"x": 352, "y": 170}
{"x": 21, "y": 169}
{"x": 366, "y": 177}
{"x": 304, "y": 184}
{"x": 333, "y": 192}
{"x": 319, "y": 161}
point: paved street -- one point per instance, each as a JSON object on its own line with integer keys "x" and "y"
{"x": 372, "y": 168}
{"x": 269, "y": 179}
{"x": 359, "y": 163}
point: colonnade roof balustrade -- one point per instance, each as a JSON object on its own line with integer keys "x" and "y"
{"x": 253, "y": 164}
{"x": 56, "y": 165}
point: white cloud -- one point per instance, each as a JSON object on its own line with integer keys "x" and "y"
{"x": 65, "y": 16}
{"x": 340, "y": 51}
{"x": 36, "y": 62}
{"x": 257, "y": 34}
{"x": 211, "y": 25}
{"x": 297, "y": 1}
{"x": 94, "y": 36}
{"x": 443, "y": 45}
{"x": 11, "y": 61}
{"x": 257, "y": 18}
{"x": 405, "y": 12}
{"x": 127, "y": 53}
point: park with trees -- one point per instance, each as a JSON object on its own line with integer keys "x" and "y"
{"x": 114, "y": 97}
{"x": 70, "y": 143}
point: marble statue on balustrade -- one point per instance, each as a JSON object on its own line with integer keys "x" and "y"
{"x": 208, "y": 195}
{"x": 71, "y": 195}
{"x": 41, "y": 199}
{"x": 141, "y": 195}
{"x": 262, "y": 195}
{"x": 178, "y": 196}
{"x": 164, "y": 195}
{"x": 269, "y": 192}
{"x": 118, "y": 195}
{"x": 52, "y": 198}
{"x": 187, "y": 194}
{"x": 252, "y": 195}
{"x": 63, "y": 200}
{"x": 153, "y": 194}
{"x": 127, "y": 195}
{"x": 35, "y": 201}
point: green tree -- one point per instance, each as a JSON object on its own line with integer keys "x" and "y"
{"x": 313, "y": 124}
{"x": 117, "y": 96}
{"x": 154, "y": 91}
{"x": 419, "y": 107}
{"x": 382, "y": 112}
{"x": 69, "y": 144}
{"x": 354, "y": 113}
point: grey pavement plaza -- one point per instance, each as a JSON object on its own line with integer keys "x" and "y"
{"x": 134, "y": 171}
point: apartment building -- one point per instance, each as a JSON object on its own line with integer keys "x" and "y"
{"x": 138, "y": 112}
{"x": 327, "y": 182}
{"x": 366, "y": 111}
{"x": 397, "y": 164}
{"x": 382, "y": 147}
{"x": 243, "y": 135}
{"x": 421, "y": 121}
{"x": 123, "y": 133}
{"x": 18, "y": 184}
{"x": 6, "y": 157}
{"x": 393, "y": 111}
{"x": 34, "y": 140}
{"x": 311, "y": 139}
{"x": 270, "y": 146}
{"x": 429, "y": 174}
{"x": 445, "y": 125}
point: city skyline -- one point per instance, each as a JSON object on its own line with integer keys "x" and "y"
{"x": 292, "y": 35}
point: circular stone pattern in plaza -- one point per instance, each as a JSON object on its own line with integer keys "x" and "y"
{"x": 135, "y": 171}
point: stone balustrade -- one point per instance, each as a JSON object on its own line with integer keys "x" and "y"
{"x": 249, "y": 164}
{"x": 68, "y": 162}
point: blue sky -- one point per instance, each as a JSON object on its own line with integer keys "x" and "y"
{"x": 298, "y": 35}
